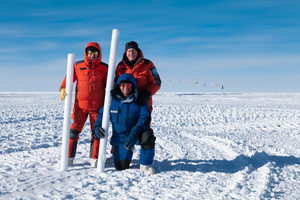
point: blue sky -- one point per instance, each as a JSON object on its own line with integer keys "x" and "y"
{"x": 246, "y": 45}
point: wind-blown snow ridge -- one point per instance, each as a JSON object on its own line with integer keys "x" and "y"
{"x": 209, "y": 146}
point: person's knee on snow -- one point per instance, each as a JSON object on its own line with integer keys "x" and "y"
{"x": 122, "y": 157}
{"x": 123, "y": 164}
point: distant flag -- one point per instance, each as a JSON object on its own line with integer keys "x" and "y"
{"x": 222, "y": 87}
{"x": 189, "y": 82}
{"x": 211, "y": 84}
{"x": 204, "y": 85}
{"x": 217, "y": 85}
{"x": 170, "y": 81}
{"x": 180, "y": 85}
{"x": 197, "y": 83}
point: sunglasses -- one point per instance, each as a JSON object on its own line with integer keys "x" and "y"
{"x": 90, "y": 52}
{"x": 126, "y": 84}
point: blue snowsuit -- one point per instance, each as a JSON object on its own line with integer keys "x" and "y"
{"x": 129, "y": 119}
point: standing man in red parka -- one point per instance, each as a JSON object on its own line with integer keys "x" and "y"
{"x": 143, "y": 70}
{"x": 91, "y": 75}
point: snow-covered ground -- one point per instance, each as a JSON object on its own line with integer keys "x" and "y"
{"x": 209, "y": 146}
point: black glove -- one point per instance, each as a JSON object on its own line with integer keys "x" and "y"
{"x": 143, "y": 98}
{"x": 133, "y": 136}
{"x": 130, "y": 141}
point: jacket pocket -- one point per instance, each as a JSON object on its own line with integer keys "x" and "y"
{"x": 114, "y": 116}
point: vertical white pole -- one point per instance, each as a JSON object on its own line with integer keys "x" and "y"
{"x": 107, "y": 101}
{"x": 67, "y": 113}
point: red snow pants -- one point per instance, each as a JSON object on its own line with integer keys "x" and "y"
{"x": 79, "y": 117}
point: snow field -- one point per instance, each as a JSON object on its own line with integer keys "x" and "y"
{"x": 208, "y": 146}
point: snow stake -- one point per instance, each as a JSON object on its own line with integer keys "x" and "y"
{"x": 67, "y": 113}
{"x": 107, "y": 101}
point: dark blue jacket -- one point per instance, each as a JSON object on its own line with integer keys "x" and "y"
{"x": 126, "y": 116}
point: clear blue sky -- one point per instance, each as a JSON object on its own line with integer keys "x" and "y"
{"x": 246, "y": 45}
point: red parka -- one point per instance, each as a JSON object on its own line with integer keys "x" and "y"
{"x": 145, "y": 73}
{"x": 91, "y": 81}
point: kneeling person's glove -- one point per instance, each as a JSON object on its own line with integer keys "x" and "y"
{"x": 130, "y": 141}
{"x": 63, "y": 94}
{"x": 100, "y": 132}
{"x": 143, "y": 97}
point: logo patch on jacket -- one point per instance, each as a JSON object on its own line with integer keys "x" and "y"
{"x": 113, "y": 111}
{"x": 82, "y": 68}
{"x": 154, "y": 71}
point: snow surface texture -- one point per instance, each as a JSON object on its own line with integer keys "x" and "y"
{"x": 209, "y": 146}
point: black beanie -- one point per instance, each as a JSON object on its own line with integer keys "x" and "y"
{"x": 93, "y": 49}
{"x": 133, "y": 45}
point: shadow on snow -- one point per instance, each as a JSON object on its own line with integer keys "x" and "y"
{"x": 254, "y": 162}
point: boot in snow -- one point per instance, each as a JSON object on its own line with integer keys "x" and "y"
{"x": 147, "y": 169}
{"x": 70, "y": 162}
{"x": 94, "y": 162}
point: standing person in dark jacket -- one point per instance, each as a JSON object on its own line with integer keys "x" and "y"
{"x": 91, "y": 75}
{"x": 130, "y": 126}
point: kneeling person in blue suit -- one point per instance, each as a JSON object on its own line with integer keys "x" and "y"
{"x": 130, "y": 126}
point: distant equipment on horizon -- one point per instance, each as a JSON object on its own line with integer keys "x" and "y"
{"x": 197, "y": 85}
